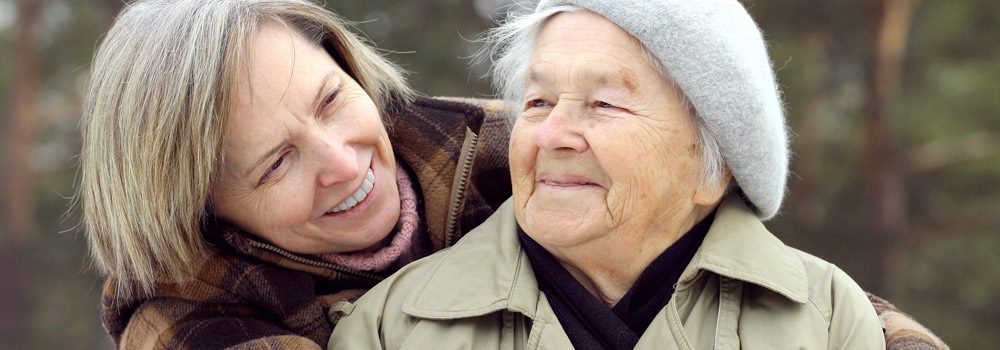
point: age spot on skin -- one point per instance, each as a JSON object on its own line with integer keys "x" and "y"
{"x": 628, "y": 79}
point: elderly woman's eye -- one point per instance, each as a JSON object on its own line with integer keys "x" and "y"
{"x": 536, "y": 103}
{"x": 602, "y": 104}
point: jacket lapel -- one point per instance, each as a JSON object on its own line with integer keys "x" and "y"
{"x": 501, "y": 279}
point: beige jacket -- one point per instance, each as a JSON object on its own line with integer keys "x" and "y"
{"x": 742, "y": 289}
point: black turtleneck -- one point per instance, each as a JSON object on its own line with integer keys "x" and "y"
{"x": 587, "y": 321}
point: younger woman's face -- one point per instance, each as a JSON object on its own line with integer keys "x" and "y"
{"x": 308, "y": 165}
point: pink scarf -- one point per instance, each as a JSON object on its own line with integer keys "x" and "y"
{"x": 405, "y": 246}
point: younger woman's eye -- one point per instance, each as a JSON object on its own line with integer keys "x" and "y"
{"x": 326, "y": 102}
{"x": 324, "y": 105}
{"x": 274, "y": 167}
{"x": 329, "y": 98}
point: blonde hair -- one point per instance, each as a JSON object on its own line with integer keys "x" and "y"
{"x": 155, "y": 115}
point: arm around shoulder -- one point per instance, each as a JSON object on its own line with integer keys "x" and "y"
{"x": 376, "y": 320}
{"x": 358, "y": 325}
{"x": 164, "y": 324}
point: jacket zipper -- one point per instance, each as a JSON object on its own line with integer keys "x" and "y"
{"x": 302, "y": 260}
{"x": 458, "y": 187}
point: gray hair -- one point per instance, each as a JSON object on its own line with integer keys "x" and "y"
{"x": 509, "y": 47}
{"x": 159, "y": 96}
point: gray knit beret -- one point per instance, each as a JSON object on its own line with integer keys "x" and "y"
{"x": 714, "y": 52}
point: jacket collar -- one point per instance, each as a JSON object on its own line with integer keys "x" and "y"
{"x": 737, "y": 246}
{"x": 500, "y": 277}
{"x": 436, "y": 138}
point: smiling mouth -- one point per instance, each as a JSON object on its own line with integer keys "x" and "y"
{"x": 567, "y": 182}
{"x": 358, "y": 196}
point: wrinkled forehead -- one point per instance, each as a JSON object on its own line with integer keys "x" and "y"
{"x": 584, "y": 30}
{"x": 602, "y": 52}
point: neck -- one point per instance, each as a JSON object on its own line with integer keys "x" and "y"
{"x": 608, "y": 267}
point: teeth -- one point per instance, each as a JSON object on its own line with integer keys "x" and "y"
{"x": 350, "y": 202}
{"x": 366, "y": 187}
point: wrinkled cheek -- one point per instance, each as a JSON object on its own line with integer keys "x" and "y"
{"x": 627, "y": 198}
{"x": 522, "y": 164}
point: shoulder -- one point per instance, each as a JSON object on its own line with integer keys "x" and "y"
{"x": 441, "y": 112}
{"x": 174, "y": 323}
{"x": 438, "y": 118}
{"x": 376, "y": 320}
{"x": 230, "y": 294}
{"x": 494, "y": 111}
{"x": 485, "y": 117}
{"x": 829, "y": 285}
{"x": 496, "y": 123}
{"x": 169, "y": 301}
{"x": 446, "y": 287}
{"x": 851, "y": 317}
{"x": 387, "y": 299}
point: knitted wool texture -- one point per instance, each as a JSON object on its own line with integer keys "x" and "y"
{"x": 403, "y": 243}
{"x": 715, "y": 53}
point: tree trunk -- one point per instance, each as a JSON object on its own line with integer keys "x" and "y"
{"x": 885, "y": 180}
{"x": 18, "y": 211}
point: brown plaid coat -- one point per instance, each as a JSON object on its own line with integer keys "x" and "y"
{"x": 251, "y": 294}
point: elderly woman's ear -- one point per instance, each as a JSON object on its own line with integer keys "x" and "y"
{"x": 711, "y": 192}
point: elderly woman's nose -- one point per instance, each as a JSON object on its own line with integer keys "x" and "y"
{"x": 337, "y": 162}
{"x": 560, "y": 131}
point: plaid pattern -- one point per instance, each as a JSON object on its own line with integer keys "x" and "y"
{"x": 249, "y": 294}
{"x": 903, "y": 332}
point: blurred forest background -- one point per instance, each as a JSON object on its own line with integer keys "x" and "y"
{"x": 894, "y": 107}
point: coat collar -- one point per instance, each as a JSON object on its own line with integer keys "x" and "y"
{"x": 738, "y": 246}
{"x": 433, "y": 137}
{"x": 487, "y": 270}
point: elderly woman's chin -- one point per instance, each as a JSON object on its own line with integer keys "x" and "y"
{"x": 560, "y": 216}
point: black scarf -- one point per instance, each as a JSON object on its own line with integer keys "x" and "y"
{"x": 588, "y": 322}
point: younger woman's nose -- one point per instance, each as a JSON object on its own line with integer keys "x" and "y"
{"x": 336, "y": 162}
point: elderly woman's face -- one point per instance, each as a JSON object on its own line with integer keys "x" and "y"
{"x": 308, "y": 165}
{"x": 605, "y": 149}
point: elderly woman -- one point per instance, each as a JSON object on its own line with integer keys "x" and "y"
{"x": 649, "y": 146}
{"x": 239, "y": 178}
